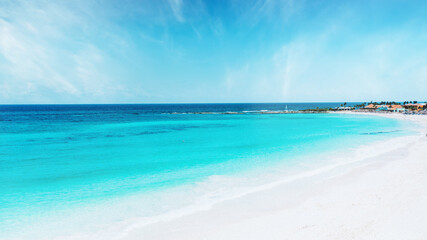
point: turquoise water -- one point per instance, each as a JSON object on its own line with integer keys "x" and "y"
{"x": 58, "y": 158}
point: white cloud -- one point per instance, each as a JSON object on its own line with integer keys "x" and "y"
{"x": 275, "y": 11}
{"x": 379, "y": 66}
{"x": 176, "y": 6}
{"x": 28, "y": 60}
{"x": 326, "y": 66}
{"x": 80, "y": 51}
{"x": 43, "y": 63}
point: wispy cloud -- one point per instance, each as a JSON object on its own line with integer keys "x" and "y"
{"x": 312, "y": 67}
{"x": 176, "y": 6}
{"x": 274, "y": 12}
{"x": 41, "y": 61}
{"x": 330, "y": 65}
{"x": 177, "y": 50}
{"x": 28, "y": 60}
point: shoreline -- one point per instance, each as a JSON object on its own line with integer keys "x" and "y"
{"x": 419, "y": 119}
{"x": 246, "y": 198}
{"x": 246, "y": 216}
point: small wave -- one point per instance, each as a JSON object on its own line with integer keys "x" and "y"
{"x": 380, "y": 132}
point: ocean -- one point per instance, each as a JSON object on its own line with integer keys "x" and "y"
{"x": 78, "y": 170}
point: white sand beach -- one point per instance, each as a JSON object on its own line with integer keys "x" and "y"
{"x": 383, "y": 196}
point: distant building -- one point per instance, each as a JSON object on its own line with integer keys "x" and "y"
{"x": 402, "y": 109}
{"x": 382, "y": 108}
{"x": 370, "y": 107}
{"x": 415, "y": 106}
{"x": 397, "y": 108}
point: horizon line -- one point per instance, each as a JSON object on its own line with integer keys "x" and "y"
{"x": 164, "y": 103}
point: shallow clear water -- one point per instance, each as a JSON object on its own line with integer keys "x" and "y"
{"x": 59, "y": 157}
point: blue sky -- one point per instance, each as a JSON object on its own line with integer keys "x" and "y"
{"x": 163, "y": 51}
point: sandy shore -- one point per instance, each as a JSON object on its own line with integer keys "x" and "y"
{"x": 383, "y": 196}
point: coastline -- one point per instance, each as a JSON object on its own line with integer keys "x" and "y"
{"x": 221, "y": 203}
{"x": 364, "y": 199}
{"x": 415, "y": 118}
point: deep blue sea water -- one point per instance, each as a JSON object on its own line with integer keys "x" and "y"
{"x": 127, "y": 161}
